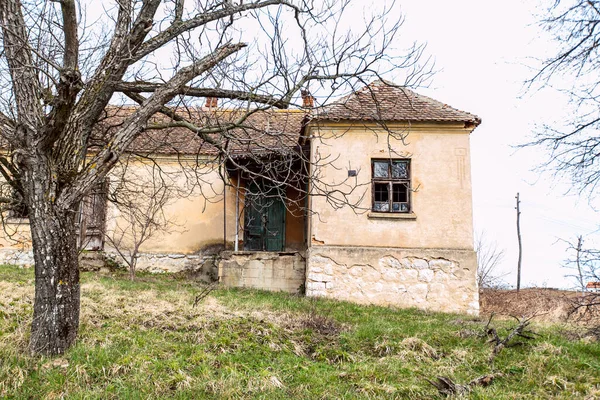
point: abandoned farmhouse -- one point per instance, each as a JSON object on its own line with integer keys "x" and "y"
{"x": 366, "y": 200}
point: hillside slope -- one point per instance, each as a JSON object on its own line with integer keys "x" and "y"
{"x": 145, "y": 339}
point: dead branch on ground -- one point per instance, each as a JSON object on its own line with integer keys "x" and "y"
{"x": 447, "y": 387}
{"x": 520, "y": 331}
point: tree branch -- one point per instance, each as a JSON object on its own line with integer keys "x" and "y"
{"x": 25, "y": 85}
{"x": 141, "y": 87}
{"x": 178, "y": 27}
{"x": 101, "y": 164}
{"x": 70, "y": 82}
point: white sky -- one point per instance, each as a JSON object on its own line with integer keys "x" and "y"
{"x": 481, "y": 49}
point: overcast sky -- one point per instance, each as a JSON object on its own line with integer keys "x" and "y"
{"x": 483, "y": 50}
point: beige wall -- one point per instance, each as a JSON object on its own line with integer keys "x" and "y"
{"x": 441, "y": 179}
{"x": 196, "y": 218}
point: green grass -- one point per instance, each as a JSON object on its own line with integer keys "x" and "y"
{"x": 144, "y": 339}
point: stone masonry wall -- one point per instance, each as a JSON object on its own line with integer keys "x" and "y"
{"x": 201, "y": 266}
{"x": 23, "y": 258}
{"x": 263, "y": 270}
{"x": 432, "y": 279}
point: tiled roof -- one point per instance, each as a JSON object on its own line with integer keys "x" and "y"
{"x": 385, "y": 101}
{"x": 260, "y": 133}
{"x": 279, "y": 131}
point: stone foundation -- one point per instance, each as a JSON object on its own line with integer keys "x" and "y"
{"x": 202, "y": 266}
{"x": 432, "y": 279}
{"x": 263, "y": 270}
{"x": 22, "y": 258}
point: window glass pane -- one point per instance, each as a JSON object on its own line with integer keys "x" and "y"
{"x": 383, "y": 207}
{"x": 400, "y": 169}
{"x": 380, "y": 169}
{"x": 400, "y": 194}
{"x": 400, "y": 207}
{"x": 381, "y": 192}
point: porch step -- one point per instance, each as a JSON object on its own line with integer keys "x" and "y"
{"x": 91, "y": 261}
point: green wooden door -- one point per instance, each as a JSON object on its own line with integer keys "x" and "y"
{"x": 264, "y": 221}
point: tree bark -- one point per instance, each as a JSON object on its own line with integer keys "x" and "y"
{"x": 56, "y": 307}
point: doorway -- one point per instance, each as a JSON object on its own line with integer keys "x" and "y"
{"x": 264, "y": 218}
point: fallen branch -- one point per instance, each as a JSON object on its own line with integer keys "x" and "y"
{"x": 203, "y": 293}
{"x": 447, "y": 387}
{"x": 519, "y": 331}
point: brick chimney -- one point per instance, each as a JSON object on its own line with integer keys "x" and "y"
{"x": 211, "y": 102}
{"x": 308, "y": 101}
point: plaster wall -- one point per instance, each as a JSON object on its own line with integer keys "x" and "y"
{"x": 441, "y": 183}
{"x": 421, "y": 259}
{"x": 195, "y": 211}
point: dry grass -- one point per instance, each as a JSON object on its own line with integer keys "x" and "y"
{"x": 550, "y": 305}
{"x": 146, "y": 340}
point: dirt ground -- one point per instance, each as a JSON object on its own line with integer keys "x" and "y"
{"x": 548, "y": 305}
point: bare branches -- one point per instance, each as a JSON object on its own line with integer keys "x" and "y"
{"x": 448, "y": 387}
{"x": 20, "y": 62}
{"x": 140, "y": 196}
{"x": 519, "y": 331}
{"x": 573, "y": 143}
{"x": 489, "y": 257}
{"x": 146, "y": 87}
{"x": 584, "y": 260}
{"x": 178, "y": 27}
{"x": 133, "y": 125}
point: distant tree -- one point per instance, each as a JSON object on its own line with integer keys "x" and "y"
{"x": 584, "y": 261}
{"x": 489, "y": 257}
{"x": 573, "y": 146}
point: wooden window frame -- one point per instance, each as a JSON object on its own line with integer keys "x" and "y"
{"x": 390, "y": 181}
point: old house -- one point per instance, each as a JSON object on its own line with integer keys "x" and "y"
{"x": 366, "y": 200}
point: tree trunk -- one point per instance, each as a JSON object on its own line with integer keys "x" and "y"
{"x": 54, "y": 236}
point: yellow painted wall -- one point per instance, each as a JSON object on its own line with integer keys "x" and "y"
{"x": 441, "y": 178}
{"x": 442, "y": 204}
{"x": 197, "y": 218}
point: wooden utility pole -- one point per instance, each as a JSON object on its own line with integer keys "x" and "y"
{"x": 520, "y": 244}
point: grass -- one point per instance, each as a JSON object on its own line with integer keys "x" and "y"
{"x": 144, "y": 339}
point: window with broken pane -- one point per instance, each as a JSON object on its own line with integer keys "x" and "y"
{"x": 391, "y": 185}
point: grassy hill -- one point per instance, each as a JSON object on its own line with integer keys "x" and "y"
{"x": 145, "y": 339}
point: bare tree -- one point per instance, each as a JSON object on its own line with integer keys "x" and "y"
{"x": 585, "y": 261}
{"x": 63, "y": 62}
{"x": 578, "y": 262}
{"x": 573, "y": 145}
{"x": 489, "y": 257}
{"x": 139, "y": 198}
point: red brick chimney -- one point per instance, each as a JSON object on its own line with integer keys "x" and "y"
{"x": 211, "y": 102}
{"x": 308, "y": 101}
